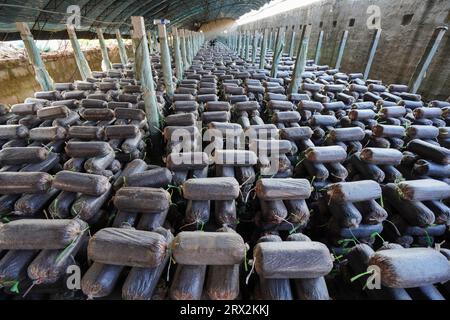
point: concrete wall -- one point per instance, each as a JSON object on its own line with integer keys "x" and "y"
{"x": 400, "y": 47}
{"x": 17, "y": 80}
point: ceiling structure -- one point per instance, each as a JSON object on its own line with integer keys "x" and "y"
{"x": 47, "y": 18}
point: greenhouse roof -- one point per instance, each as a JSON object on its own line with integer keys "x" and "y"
{"x": 47, "y": 18}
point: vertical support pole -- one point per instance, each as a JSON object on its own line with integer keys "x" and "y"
{"x": 247, "y": 45}
{"x": 279, "y": 44}
{"x": 34, "y": 55}
{"x": 292, "y": 45}
{"x": 165, "y": 55}
{"x": 242, "y": 44}
{"x": 183, "y": 49}
{"x": 189, "y": 47}
{"x": 192, "y": 39}
{"x": 122, "y": 49}
{"x": 144, "y": 69}
{"x": 273, "y": 40}
{"x": 300, "y": 62}
{"x": 136, "y": 43}
{"x": 262, "y": 54}
{"x": 238, "y": 49}
{"x": 195, "y": 42}
{"x": 373, "y": 50}
{"x": 177, "y": 54}
{"x": 425, "y": 61}
{"x": 170, "y": 40}
{"x": 318, "y": 48}
{"x": 151, "y": 41}
{"x": 254, "y": 46}
{"x": 269, "y": 45}
{"x": 341, "y": 49}
{"x": 80, "y": 59}
{"x": 156, "y": 44}
{"x": 133, "y": 47}
{"x": 155, "y": 41}
{"x": 106, "y": 63}
{"x": 239, "y": 42}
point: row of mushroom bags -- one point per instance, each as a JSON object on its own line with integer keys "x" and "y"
{"x": 245, "y": 190}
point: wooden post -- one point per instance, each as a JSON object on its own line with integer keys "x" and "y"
{"x": 80, "y": 59}
{"x": 277, "y": 52}
{"x": 150, "y": 40}
{"x": 425, "y": 61}
{"x": 156, "y": 42}
{"x": 292, "y": 45}
{"x": 300, "y": 61}
{"x": 373, "y": 50}
{"x": 262, "y": 54}
{"x": 169, "y": 37}
{"x": 190, "y": 46}
{"x": 318, "y": 47}
{"x": 201, "y": 40}
{"x": 274, "y": 41}
{"x": 122, "y": 49}
{"x": 177, "y": 54}
{"x": 196, "y": 41}
{"x": 341, "y": 49}
{"x": 133, "y": 47}
{"x": 34, "y": 55}
{"x": 247, "y": 45}
{"x": 254, "y": 46}
{"x": 184, "y": 49}
{"x": 194, "y": 45}
{"x": 136, "y": 43}
{"x": 144, "y": 69}
{"x": 242, "y": 53}
{"x": 106, "y": 63}
{"x": 270, "y": 45}
{"x": 165, "y": 55}
{"x": 238, "y": 47}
